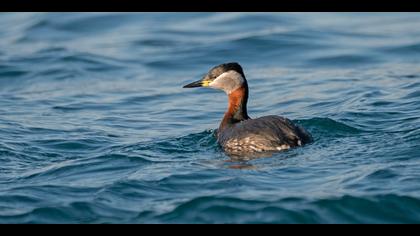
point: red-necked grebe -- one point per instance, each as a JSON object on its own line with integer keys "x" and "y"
{"x": 238, "y": 134}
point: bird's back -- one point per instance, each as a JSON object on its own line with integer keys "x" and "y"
{"x": 268, "y": 133}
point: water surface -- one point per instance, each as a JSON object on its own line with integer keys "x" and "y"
{"x": 96, "y": 128}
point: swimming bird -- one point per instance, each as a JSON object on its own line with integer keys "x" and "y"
{"x": 238, "y": 134}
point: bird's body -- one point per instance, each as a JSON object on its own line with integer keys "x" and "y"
{"x": 240, "y": 135}
{"x": 263, "y": 134}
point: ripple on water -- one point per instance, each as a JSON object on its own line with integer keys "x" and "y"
{"x": 344, "y": 209}
{"x": 326, "y": 127}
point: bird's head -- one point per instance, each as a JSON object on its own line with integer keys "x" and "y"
{"x": 227, "y": 77}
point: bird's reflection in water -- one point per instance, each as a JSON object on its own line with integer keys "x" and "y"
{"x": 241, "y": 160}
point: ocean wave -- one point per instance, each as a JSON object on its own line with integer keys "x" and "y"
{"x": 345, "y": 209}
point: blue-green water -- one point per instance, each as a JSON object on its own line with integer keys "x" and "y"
{"x": 96, "y": 128}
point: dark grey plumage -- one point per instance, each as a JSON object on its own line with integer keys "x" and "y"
{"x": 268, "y": 133}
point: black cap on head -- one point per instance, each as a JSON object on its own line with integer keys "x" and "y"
{"x": 220, "y": 69}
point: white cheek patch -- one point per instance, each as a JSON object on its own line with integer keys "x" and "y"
{"x": 228, "y": 81}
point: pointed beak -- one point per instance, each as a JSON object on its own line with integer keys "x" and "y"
{"x": 200, "y": 83}
{"x": 195, "y": 84}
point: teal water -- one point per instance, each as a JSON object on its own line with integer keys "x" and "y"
{"x": 96, "y": 128}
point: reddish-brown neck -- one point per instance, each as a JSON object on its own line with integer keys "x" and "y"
{"x": 236, "y": 111}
